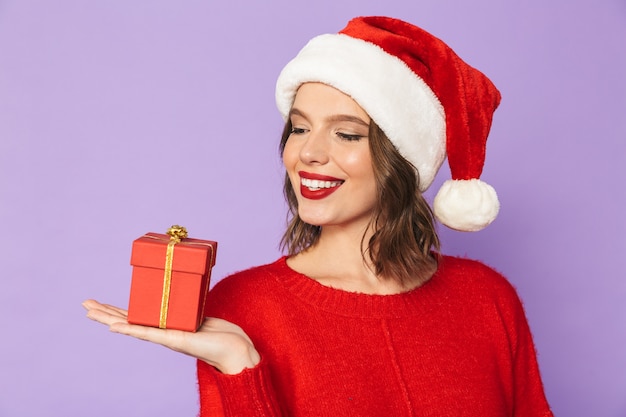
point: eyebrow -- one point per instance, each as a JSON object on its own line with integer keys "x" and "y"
{"x": 333, "y": 118}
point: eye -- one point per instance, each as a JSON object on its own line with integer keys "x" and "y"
{"x": 349, "y": 137}
{"x": 297, "y": 131}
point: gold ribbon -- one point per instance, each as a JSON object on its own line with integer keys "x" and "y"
{"x": 176, "y": 233}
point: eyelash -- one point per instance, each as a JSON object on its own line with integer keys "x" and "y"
{"x": 296, "y": 131}
{"x": 348, "y": 137}
{"x": 343, "y": 136}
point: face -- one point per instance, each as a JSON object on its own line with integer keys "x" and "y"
{"x": 328, "y": 159}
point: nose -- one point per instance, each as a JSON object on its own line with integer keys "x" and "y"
{"x": 315, "y": 149}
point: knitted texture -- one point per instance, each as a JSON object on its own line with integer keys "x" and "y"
{"x": 459, "y": 345}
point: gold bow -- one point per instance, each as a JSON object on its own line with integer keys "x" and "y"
{"x": 177, "y": 233}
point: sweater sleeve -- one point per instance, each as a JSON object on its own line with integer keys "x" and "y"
{"x": 238, "y": 299}
{"x": 248, "y": 393}
{"x": 529, "y": 398}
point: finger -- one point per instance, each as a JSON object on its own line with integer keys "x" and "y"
{"x": 89, "y": 304}
{"x": 110, "y": 309}
{"x": 105, "y": 317}
{"x": 118, "y": 310}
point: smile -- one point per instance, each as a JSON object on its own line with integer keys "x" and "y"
{"x": 315, "y": 185}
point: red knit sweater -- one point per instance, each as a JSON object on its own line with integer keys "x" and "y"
{"x": 459, "y": 345}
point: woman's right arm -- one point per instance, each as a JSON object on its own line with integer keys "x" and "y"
{"x": 218, "y": 342}
{"x": 248, "y": 393}
{"x": 233, "y": 380}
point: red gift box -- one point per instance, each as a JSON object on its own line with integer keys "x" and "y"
{"x": 170, "y": 280}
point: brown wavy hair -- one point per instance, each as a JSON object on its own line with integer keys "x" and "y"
{"x": 405, "y": 244}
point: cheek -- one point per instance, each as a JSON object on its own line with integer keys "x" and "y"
{"x": 290, "y": 155}
{"x": 359, "y": 163}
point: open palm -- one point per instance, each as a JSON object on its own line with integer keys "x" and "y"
{"x": 218, "y": 342}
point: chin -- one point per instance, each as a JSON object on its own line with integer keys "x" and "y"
{"x": 312, "y": 221}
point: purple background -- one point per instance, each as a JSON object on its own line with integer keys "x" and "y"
{"x": 123, "y": 117}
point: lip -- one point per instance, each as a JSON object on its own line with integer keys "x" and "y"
{"x": 321, "y": 193}
{"x": 312, "y": 176}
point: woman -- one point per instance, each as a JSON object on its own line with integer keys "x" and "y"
{"x": 365, "y": 317}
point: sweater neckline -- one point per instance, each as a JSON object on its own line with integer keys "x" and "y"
{"x": 356, "y": 304}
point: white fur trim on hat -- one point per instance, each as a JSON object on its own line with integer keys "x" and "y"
{"x": 399, "y": 101}
{"x": 466, "y": 205}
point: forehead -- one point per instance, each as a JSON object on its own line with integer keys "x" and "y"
{"x": 323, "y": 100}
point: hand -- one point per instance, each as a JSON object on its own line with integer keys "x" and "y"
{"x": 218, "y": 342}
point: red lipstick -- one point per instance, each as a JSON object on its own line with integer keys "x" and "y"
{"x": 316, "y": 186}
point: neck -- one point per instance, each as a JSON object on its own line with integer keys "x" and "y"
{"x": 339, "y": 259}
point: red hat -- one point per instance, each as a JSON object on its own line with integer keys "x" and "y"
{"x": 428, "y": 101}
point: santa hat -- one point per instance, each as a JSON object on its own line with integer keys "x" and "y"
{"x": 427, "y": 100}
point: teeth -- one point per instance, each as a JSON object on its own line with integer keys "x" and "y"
{"x": 318, "y": 184}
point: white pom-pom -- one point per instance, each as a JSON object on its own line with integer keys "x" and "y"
{"x": 466, "y": 205}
